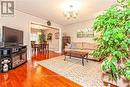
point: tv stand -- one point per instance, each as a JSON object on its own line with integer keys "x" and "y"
{"x": 16, "y": 56}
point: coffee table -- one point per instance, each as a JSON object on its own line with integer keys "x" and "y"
{"x": 77, "y": 54}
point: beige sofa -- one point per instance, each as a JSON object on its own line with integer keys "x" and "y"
{"x": 82, "y": 47}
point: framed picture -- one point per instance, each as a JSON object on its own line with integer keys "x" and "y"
{"x": 49, "y": 36}
{"x": 57, "y": 35}
{"x": 85, "y": 33}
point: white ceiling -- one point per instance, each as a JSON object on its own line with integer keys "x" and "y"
{"x": 52, "y": 9}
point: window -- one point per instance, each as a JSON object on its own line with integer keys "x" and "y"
{"x": 34, "y": 37}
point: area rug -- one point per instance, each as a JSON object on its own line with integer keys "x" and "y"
{"x": 88, "y": 75}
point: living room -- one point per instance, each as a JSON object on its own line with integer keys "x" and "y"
{"x": 64, "y": 43}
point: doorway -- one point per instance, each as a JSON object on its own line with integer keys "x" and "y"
{"x": 41, "y": 33}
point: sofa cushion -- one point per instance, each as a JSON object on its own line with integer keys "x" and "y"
{"x": 89, "y": 46}
{"x": 73, "y": 45}
{"x": 76, "y": 45}
{"x": 68, "y": 46}
{"x": 79, "y": 45}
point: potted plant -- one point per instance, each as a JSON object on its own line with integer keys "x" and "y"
{"x": 41, "y": 37}
{"x": 114, "y": 40}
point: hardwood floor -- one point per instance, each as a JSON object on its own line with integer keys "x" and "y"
{"x": 32, "y": 75}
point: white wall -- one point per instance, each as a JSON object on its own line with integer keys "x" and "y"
{"x": 22, "y": 22}
{"x": 71, "y": 30}
{"x": 54, "y": 43}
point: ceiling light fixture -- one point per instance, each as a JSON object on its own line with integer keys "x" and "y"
{"x": 71, "y": 8}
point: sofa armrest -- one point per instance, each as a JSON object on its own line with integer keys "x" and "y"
{"x": 68, "y": 46}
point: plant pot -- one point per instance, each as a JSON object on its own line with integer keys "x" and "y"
{"x": 121, "y": 82}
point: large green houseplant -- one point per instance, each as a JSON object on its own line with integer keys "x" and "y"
{"x": 114, "y": 40}
{"x": 41, "y": 37}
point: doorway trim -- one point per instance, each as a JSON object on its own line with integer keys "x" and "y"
{"x": 60, "y": 34}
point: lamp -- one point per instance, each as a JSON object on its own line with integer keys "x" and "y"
{"x": 71, "y": 8}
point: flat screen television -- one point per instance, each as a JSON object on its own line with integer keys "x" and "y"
{"x": 12, "y": 36}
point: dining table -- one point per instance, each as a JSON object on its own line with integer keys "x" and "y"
{"x": 44, "y": 47}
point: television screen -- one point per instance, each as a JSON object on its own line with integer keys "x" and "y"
{"x": 11, "y": 35}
